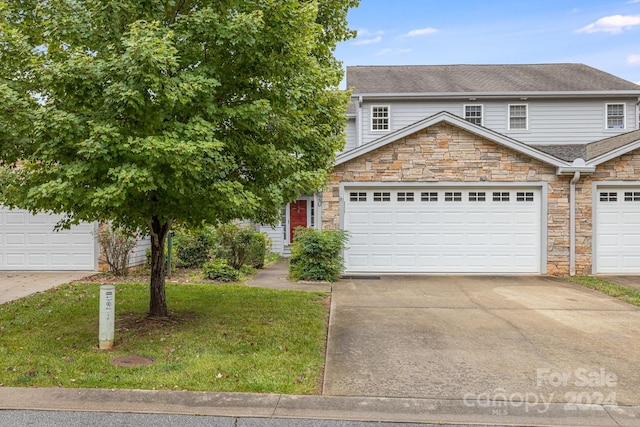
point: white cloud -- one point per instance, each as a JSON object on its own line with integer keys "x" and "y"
{"x": 389, "y": 51}
{"x": 612, "y": 24}
{"x": 359, "y": 42}
{"x": 633, "y": 59}
{"x": 638, "y": 82}
{"x": 633, "y": 1}
{"x": 420, "y": 32}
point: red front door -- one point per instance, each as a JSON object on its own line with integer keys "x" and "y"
{"x": 297, "y": 216}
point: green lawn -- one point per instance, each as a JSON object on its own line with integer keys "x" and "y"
{"x": 623, "y": 293}
{"x": 220, "y": 338}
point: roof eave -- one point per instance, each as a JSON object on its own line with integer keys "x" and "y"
{"x": 489, "y": 95}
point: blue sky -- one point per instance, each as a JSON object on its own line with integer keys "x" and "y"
{"x": 602, "y": 34}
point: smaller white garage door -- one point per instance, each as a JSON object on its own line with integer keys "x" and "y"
{"x": 443, "y": 230}
{"x": 617, "y": 230}
{"x": 28, "y": 242}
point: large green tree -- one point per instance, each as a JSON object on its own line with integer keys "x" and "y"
{"x": 150, "y": 113}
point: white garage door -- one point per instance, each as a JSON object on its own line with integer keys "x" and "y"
{"x": 618, "y": 230}
{"x": 28, "y": 242}
{"x": 443, "y": 230}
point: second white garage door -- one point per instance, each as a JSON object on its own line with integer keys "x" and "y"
{"x": 617, "y": 230}
{"x": 461, "y": 230}
{"x": 28, "y": 243}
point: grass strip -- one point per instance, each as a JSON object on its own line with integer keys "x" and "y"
{"x": 219, "y": 338}
{"x": 623, "y": 293}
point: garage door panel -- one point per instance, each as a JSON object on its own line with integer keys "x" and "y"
{"x": 28, "y": 242}
{"x": 453, "y": 235}
{"x": 356, "y": 218}
{"x": 631, "y": 218}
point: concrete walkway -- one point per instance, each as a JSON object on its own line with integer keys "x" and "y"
{"x": 17, "y": 284}
{"x": 275, "y": 277}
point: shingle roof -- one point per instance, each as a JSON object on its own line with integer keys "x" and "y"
{"x": 598, "y": 148}
{"x": 592, "y": 150}
{"x": 483, "y": 79}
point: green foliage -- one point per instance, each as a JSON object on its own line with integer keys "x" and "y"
{"x": 147, "y": 114}
{"x": 241, "y": 246}
{"x": 316, "y": 255}
{"x": 220, "y": 270}
{"x": 116, "y": 245}
{"x": 193, "y": 247}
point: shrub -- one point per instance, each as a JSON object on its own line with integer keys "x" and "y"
{"x": 316, "y": 255}
{"x": 193, "y": 247}
{"x": 240, "y": 245}
{"x": 219, "y": 269}
{"x": 116, "y": 245}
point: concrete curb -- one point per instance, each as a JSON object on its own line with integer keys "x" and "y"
{"x": 376, "y": 409}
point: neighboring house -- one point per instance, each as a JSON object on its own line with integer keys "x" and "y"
{"x": 484, "y": 169}
{"x": 28, "y": 243}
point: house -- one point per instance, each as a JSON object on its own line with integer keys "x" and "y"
{"x": 484, "y": 169}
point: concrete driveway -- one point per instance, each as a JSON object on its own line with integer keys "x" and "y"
{"x": 482, "y": 339}
{"x": 18, "y": 284}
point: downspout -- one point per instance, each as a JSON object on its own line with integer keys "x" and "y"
{"x": 572, "y": 223}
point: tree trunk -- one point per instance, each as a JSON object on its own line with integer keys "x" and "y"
{"x": 158, "y": 299}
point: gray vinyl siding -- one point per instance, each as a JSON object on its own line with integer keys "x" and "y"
{"x": 350, "y": 134}
{"x": 276, "y": 234}
{"x": 550, "y": 121}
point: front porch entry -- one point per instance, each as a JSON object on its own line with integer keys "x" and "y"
{"x": 301, "y": 213}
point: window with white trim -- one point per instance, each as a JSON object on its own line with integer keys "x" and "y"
{"x": 518, "y": 117}
{"x": 524, "y": 196}
{"x": 381, "y": 196}
{"x": 500, "y": 196}
{"x": 429, "y": 196}
{"x": 452, "y": 196}
{"x": 356, "y": 196}
{"x": 473, "y": 114}
{"x": 608, "y": 196}
{"x": 477, "y": 196}
{"x": 615, "y": 116}
{"x": 405, "y": 196}
{"x": 632, "y": 196}
{"x": 379, "y": 117}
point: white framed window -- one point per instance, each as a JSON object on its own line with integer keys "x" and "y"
{"x": 615, "y": 116}
{"x": 452, "y": 196}
{"x": 405, "y": 196}
{"x": 608, "y": 196}
{"x": 477, "y": 196}
{"x": 358, "y": 196}
{"x": 473, "y": 114}
{"x": 518, "y": 117}
{"x": 429, "y": 196}
{"x": 380, "y": 118}
{"x": 381, "y": 196}
{"x": 500, "y": 196}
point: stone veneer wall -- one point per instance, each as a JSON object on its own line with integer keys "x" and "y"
{"x": 446, "y": 153}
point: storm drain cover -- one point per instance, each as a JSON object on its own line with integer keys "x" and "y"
{"x": 132, "y": 361}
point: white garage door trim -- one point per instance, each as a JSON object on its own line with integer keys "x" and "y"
{"x": 616, "y": 227}
{"x": 359, "y": 257}
{"x": 28, "y": 243}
